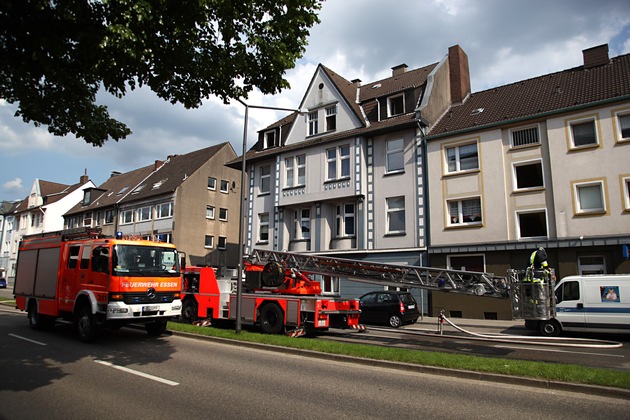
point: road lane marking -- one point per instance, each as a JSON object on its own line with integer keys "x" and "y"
{"x": 28, "y": 339}
{"x": 559, "y": 351}
{"x": 135, "y": 372}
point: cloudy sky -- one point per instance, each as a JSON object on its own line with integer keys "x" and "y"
{"x": 506, "y": 41}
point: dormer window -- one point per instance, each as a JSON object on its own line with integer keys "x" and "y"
{"x": 270, "y": 139}
{"x": 86, "y": 197}
{"x": 395, "y": 105}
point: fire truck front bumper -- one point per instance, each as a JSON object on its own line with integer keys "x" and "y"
{"x": 123, "y": 311}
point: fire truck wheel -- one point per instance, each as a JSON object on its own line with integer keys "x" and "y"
{"x": 86, "y": 327}
{"x": 395, "y": 320}
{"x": 549, "y": 328}
{"x": 189, "y": 311}
{"x": 271, "y": 319}
{"x": 156, "y": 327}
{"x": 38, "y": 321}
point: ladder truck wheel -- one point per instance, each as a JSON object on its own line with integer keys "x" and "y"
{"x": 156, "y": 328}
{"x": 85, "y": 324}
{"x": 395, "y": 320}
{"x": 549, "y": 328}
{"x": 271, "y": 319}
{"x": 189, "y": 311}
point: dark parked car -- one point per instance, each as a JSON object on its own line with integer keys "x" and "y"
{"x": 389, "y": 307}
{"x": 3, "y": 283}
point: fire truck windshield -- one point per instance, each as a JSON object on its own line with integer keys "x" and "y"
{"x": 136, "y": 260}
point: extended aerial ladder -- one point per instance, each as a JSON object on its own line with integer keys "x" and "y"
{"x": 393, "y": 275}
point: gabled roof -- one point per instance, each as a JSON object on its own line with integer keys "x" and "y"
{"x": 552, "y": 93}
{"x": 366, "y": 102}
{"x": 149, "y": 181}
{"x": 51, "y": 192}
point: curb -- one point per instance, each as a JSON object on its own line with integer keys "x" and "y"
{"x": 597, "y": 390}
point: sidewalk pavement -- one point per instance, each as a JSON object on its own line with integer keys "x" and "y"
{"x": 489, "y": 326}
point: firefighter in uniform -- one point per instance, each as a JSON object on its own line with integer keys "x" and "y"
{"x": 538, "y": 266}
{"x": 536, "y": 275}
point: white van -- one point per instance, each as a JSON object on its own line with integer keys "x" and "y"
{"x": 593, "y": 303}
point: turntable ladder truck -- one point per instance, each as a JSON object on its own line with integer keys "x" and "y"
{"x": 279, "y": 294}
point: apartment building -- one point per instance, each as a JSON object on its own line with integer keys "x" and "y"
{"x": 191, "y": 200}
{"x": 539, "y": 162}
{"x": 42, "y": 211}
{"x": 345, "y": 177}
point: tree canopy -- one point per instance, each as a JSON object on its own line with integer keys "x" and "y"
{"x": 56, "y": 55}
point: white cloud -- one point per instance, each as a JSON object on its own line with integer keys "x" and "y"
{"x": 13, "y": 188}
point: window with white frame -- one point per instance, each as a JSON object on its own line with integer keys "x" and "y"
{"x": 144, "y": 214}
{"x": 209, "y": 241}
{"x": 223, "y": 214}
{"x": 395, "y": 105}
{"x": 265, "y": 179}
{"x": 331, "y": 118}
{"x": 225, "y": 186}
{"x": 302, "y": 224}
{"x": 583, "y": 133}
{"x": 126, "y": 217}
{"x": 394, "y": 155}
{"x": 295, "y": 168}
{"x": 222, "y": 242}
{"x": 87, "y": 219}
{"x": 462, "y": 157}
{"x": 263, "y": 227}
{"x": 329, "y": 285}
{"x": 528, "y": 175}
{"x": 622, "y": 121}
{"x": 532, "y": 224}
{"x": 344, "y": 222}
{"x": 395, "y": 214}
{"x": 270, "y": 139}
{"x": 589, "y": 197}
{"x": 525, "y": 136}
{"x": 464, "y": 212}
{"x": 164, "y": 210}
{"x": 312, "y": 123}
{"x": 212, "y": 183}
{"x": 98, "y": 220}
{"x": 338, "y": 163}
{"x": 210, "y": 212}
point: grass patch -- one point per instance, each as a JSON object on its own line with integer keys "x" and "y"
{"x": 539, "y": 370}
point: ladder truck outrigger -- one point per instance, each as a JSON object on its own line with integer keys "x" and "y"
{"x": 280, "y": 295}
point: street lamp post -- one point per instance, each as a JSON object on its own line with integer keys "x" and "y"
{"x": 241, "y": 226}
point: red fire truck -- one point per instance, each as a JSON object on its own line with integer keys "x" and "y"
{"x": 277, "y": 298}
{"x": 92, "y": 280}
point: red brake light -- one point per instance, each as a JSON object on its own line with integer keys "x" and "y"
{"x": 402, "y": 307}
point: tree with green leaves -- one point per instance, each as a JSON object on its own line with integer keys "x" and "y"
{"x": 55, "y": 55}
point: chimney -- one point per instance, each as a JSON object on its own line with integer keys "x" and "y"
{"x": 595, "y": 56}
{"x": 399, "y": 69}
{"x": 84, "y": 178}
{"x": 459, "y": 74}
{"x": 157, "y": 165}
{"x": 356, "y": 82}
{"x": 115, "y": 173}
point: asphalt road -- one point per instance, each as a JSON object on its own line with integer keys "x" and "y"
{"x": 128, "y": 374}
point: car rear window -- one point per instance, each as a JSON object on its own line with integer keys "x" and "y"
{"x": 407, "y": 299}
